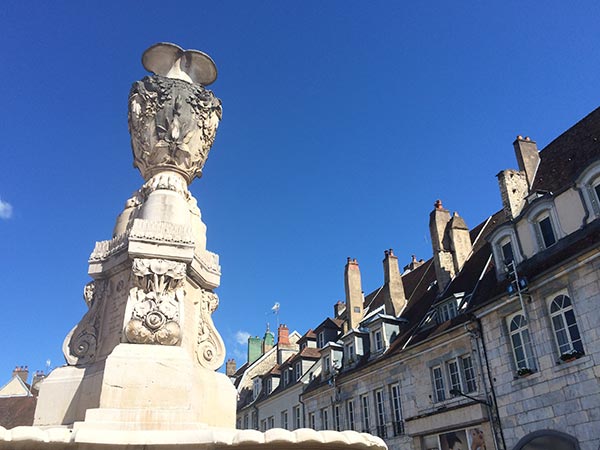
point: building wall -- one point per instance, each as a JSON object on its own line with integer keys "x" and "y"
{"x": 560, "y": 396}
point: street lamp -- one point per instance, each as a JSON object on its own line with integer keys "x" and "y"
{"x": 457, "y": 392}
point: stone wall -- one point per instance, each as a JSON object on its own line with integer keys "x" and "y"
{"x": 561, "y": 396}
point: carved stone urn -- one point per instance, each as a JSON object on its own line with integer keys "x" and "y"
{"x": 149, "y": 321}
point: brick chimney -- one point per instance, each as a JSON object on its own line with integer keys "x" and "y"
{"x": 528, "y": 157}
{"x": 338, "y": 309}
{"x": 22, "y": 372}
{"x": 354, "y": 295}
{"x": 395, "y": 300}
{"x": 230, "y": 367}
{"x": 440, "y": 242}
{"x": 460, "y": 240}
{"x": 283, "y": 335}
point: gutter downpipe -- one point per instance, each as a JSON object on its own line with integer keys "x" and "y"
{"x": 495, "y": 415}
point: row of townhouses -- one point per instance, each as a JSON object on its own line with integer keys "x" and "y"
{"x": 493, "y": 343}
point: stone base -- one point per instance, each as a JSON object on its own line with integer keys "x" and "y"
{"x": 33, "y": 438}
{"x": 138, "y": 387}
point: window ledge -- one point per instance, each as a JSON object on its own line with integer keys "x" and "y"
{"x": 584, "y": 360}
{"x": 526, "y": 379}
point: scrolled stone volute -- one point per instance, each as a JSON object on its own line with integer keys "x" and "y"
{"x": 173, "y": 119}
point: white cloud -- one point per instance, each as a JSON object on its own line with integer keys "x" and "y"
{"x": 6, "y": 210}
{"x": 241, "y": 337}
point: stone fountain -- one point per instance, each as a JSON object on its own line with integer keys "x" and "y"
{"x": 141, "y": 363}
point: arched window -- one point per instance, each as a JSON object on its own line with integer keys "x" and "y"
{"x": 521, "y": 342}
{"x": 565, "y": 327}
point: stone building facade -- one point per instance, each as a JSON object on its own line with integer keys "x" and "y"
{"x": 491, "y": 343}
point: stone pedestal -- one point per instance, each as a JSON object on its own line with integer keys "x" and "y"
{"x": 144, "y": 356}
{"x": 139, "y": 387}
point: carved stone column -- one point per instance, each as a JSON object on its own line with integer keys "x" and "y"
{"x": 154, "y": 280}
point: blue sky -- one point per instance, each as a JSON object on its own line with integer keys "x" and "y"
{"x": 343, "y": 123}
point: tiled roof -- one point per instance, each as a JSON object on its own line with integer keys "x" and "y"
{"x": 17, "y": 411}
{"x": 310, "y": 334}
{"x": 568, "y": 154}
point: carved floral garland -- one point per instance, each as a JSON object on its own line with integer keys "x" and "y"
{"x": 156, "y": 299}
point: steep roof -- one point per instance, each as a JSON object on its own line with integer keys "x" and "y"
{"x": 17, "y": 411}
{"x": 564, "y": 158}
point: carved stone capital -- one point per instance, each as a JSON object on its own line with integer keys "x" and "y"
{"x": 173, "y": 124}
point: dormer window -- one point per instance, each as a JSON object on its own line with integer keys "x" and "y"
{"x": 303, "y": 345}
{"x": 321, "y": 339}
{"x": 297, "y": 370}
{"x": 327, "y": 364}
{"x": 446, "y": 311}
{"x": 589, "y": 183}
{"x": 269, "y": 385}
{"x": 545, "y": 226}
{"x": 546, "y": 230}
{"x": 286, "y": 376}
{"x": 506, "y": 247}
{"x": 256, "y": 387}
{"x": 350, "y": 352}
{"x": 378, "y": 341}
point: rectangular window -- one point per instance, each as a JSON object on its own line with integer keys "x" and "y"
{"x": 321, "y": 340}
{"x": 337, "y": 418}
{"x": 446, "y": 311}
{"x": 246, "y": 423}
{"x": 325, "y": 419}
{"x": 397, "y": 410}
{"x": 238, "y": 423}
{"x": 350, "y": 413}
{"x": 297, "y": 421}
{"x": 311, "y": 421}
{"x": 507, "y": 252}
{"x": 327, "y": 364}
{"x": 438, "y": 384}
{"x": 350, "y": 352}
{"x": 297, "y": 370}
{"x": 381, "y": 431}
{"x": 254, "y": 420}
{"x": 547, "y": 232}
{"x": 256, "y": 387}
{"x": 378, "y": 341}
{"x": 269, "y": 385}
{"x": 263, "y": 425}
{"x": 286, "y": 376}
{"x": 270, "y": 422}
{"x": 364, "y": 400}
{"x": 470, "y": 384}
{"x": 453, "y": 375}
{"x": 284, "y": 420}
